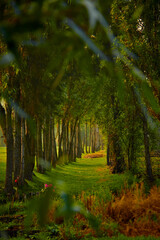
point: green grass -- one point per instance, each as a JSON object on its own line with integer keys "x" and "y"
{"x": 84, "y": 175}
{"x": 89, "y": 175}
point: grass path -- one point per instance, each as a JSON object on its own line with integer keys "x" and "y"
{"x": 83, "y": 175}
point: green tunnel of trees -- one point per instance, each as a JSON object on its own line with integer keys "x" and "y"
{"x": 68, "y": 85}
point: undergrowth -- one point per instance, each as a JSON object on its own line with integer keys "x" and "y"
{"x": 132, "y": 213}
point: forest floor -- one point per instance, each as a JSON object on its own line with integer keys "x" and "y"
{"x": 102, "y": 205}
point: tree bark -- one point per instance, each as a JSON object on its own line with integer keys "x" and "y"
{"x": 75, "y": 146}
{"x": 47, "y": 140}
{"x": 29, "y": 156}
{"x": 79, "y": 145}
{"x": 147, "y": 152}
{"x": 50, "y": 158}
{"x": 39, "y": 155}
{"x": 3, "y": 122}
{"x": 54, "y": 147}
{"x": 67, "y": 137}
{"x": 93, "y": 139}
{"x": 119, "y": 165}
{"x": 44, "y": 143}
{"x": 64, "y": 142}
{"x": 82, "y": 137}
{"x": 92, "y": 142}
{"x": 59, "y": 140}
{"x": 108, "y": 152}
{"x": 17, "y": 147}
{"x": 9, "y": 164}
{"x": 22, "y": 149}
{"x": 90, "y": 134}
{"x": 86, "y": 137}
{"x": 119, "y": 158}
{"x": 71, "y": 153}
{"x": 131, "y": 154}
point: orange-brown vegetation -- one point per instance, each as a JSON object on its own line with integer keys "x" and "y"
{"x": 95, "y": 155}
{"x": 135, "y": 213}
{"x": 132, "y": 213}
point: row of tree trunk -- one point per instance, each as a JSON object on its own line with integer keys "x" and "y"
{"x": 92, "y": 140}
{"x": 44, "y": 143}
{"x": 115, "y": 155}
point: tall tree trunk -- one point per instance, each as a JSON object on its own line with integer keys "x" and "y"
{"x": 75, "y": 146}
{"x": 108, "y": 160}
{"x": 22, "y": 149}
{"x": 90, "y": 135}
{"x": 71, "y": 143}
{"x": 147, "y": 153}
{"x": 39, "y": 156}
{"x": 44, "y": 142}
{"x": 131, "y": 146}
{"x": 47, "y": 140}
{"x": 98, "y": 139}
{"x": 119, "y": 158}
{"x": 17, "y": 147}
{"x": 54, "y": 147}
{"x": 9, "y": 165}
{"x": 50, "y": 158}
{"x": 59, "y": 140}
{"x": 86, "y": 137}
{"x": 71, "y": 153}
{"x": 96, "y": 135}
{"x": 64, "y": 139}
{"x": 92, "y": 142}
{"x": 29, "y": 156}
{"x": 108, "y": 151}
{"x": 93, "y": 139}
{"x": 83, "y": 139}
{"x": 82, "y": 146}
{"x": 3, "y": 122}
{"x": 119, "y": 166}
{"x": 67, "y": 137}
{"x": 64, "y": 143}
{"x": 131, "y": 154}
{"x": 79, "y": 144}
